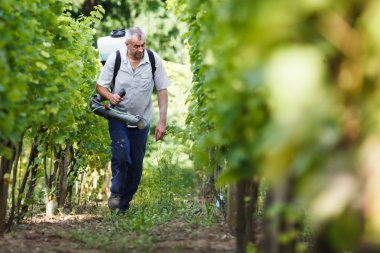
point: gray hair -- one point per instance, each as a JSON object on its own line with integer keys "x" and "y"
{"x": 132, "y": 31}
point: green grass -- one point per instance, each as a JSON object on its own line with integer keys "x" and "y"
{"x": 167, "y": 192}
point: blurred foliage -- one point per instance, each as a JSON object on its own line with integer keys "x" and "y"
{"x": 289, "y": 89}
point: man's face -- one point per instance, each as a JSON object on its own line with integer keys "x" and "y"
{"x": 136, "y": 46}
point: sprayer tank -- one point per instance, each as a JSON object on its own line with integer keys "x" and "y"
{"x": 107, "y": 45}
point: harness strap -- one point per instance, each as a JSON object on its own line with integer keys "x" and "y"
{"x": 116, "y": 68}
{"x": 152, "y": 62}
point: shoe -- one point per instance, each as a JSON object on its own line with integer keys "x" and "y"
{"x": 114, "y": 201}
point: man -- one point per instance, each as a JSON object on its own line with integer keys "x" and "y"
{"x": 128, "y": 143}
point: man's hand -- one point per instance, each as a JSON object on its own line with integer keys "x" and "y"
{"x": 162, "y": 97}
{"x": 160, "y": 131}
{"x": 104, "y": 92}
{"x": 115, "y": 99}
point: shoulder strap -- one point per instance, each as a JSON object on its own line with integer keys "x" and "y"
{"x": 152, "y": 61}
{"x": 116, "y": 68}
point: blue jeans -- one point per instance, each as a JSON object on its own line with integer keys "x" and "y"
{"x": 128, "y": 147}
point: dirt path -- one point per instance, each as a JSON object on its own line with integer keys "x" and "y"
{"x": 48, "y": 235}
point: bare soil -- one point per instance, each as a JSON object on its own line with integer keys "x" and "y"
{"x": 53, "y": 234}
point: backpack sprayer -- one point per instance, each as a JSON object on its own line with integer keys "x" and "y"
{"x": 107, "y": 111}
{"x": 106, "y": 46}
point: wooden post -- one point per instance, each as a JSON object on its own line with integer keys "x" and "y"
{"x": 3, "y": 193}
{"x": 242, "y": 207}
{"x": 231, "y": 207}
{"x": 63, "y": 177}
{"x": 5, "y": 179}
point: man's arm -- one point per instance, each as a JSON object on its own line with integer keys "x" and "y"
{"x": 162, "y": 97}
{"x": 104, "y": 92}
